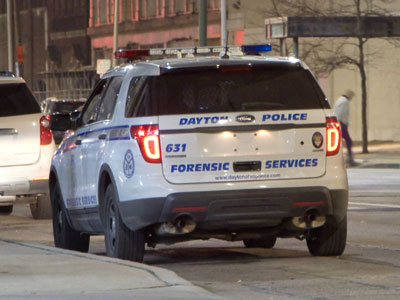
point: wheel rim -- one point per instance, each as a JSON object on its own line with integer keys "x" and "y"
{"x": 111, "y": 227}
{"x": 58, "y": 222}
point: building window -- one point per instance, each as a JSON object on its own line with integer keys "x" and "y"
{"x": 160, "y": 8}
{"x": 214, "y": 4}
{"x": 170, "y": 7}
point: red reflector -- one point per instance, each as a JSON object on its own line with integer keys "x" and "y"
{"x": 189, "y": 208}
{"x": 148, "y": 139}
{"x": 308, "y": 203}
{"x": 333, "y": 136}
{"x": 130, "y": 54}
{"x": 45, "y": 134}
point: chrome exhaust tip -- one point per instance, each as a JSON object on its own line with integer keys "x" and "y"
{"x": 309, "y": 221}
{"x": 183, "y": 224}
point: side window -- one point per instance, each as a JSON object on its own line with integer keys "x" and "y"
{"x": 135, "y": 89}
{"x": 91, "y": 110}
{"x": 109, "y": 99}
{"x": 142, "y": 100}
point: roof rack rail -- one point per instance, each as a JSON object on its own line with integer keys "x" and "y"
{"x": 131, "y": 54}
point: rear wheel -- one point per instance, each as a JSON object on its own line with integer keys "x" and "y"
{"x": 121, "y": 242}
{"x": 330, "y": 239}
{"x": 41, "y": 209}
{"x": 268, "y": 242}
{"x": 64, "y": 235}
{"x": 6, "y": 209}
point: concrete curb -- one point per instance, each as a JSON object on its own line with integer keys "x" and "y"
{"x": 169, "y": 283}
{"x": 169, "y": 278}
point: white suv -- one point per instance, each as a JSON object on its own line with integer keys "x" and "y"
{"x": 235, "y": 148}
{"x": 26, "y": 149}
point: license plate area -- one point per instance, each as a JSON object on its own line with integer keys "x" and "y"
{"x": 247, "y": 166}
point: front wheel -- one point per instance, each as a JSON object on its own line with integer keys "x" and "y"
{"x": 121, "y": 242}
{"x": 328, "y": 240}
{"x": 65, "y": 236}
{"x": 6, "y": 209}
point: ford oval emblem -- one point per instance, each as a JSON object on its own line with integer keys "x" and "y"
{"x": 245, "y": 118}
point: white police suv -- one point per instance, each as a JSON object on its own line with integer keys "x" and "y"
{"x": 170, "y": 150}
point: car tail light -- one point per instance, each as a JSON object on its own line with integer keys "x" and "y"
{"x": 333, "y": 136}
{"x": 148, "y": 139}
{"x": 46, "y": 136}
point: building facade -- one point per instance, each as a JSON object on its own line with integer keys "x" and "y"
{"x": 150, "y": 24}
{"x": 56, "y": 59}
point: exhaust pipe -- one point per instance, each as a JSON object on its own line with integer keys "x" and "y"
{"x": 309, "y": 220}
{"x": 183, "y": 224}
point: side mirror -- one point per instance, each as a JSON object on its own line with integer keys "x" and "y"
{"x": 60, "y": 122}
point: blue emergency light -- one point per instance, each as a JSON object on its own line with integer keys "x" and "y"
{"x": 256, "y": 48}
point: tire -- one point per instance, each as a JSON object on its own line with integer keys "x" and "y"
{"x": 328, "y": 240}
{"x": 121, "y": 242}
{"x": 64, "y": 235}
{"x": 267, "y": 243}
{"x": 41, "y": 209}
{"x": 6, "y": 209}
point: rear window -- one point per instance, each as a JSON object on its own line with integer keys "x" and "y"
{"x": 16, "y": 99}
{"x": 63, "y": 107}
{"x": 225, "y": 90}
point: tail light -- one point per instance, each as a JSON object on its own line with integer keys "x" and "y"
{"x": 148, "y": 139}
{"x": 333, "y": 136}
{"x": 46, "y": 136}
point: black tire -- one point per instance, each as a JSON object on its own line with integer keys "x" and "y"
{"x": 267, "y": 243}
{"x": 328, "y": 240}
{"x": 64, "y": 235}
{"x": 6, "y": 209}
{"x": 41, "y": 209}
{"x": 121, "y": 242}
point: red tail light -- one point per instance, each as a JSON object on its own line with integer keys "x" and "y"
{"x": 148, "y": 139}
{"x": 45, "y": 134}
{"x": 333, "y": 136}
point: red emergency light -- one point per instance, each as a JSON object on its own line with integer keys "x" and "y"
{"x": 131, "y": 53}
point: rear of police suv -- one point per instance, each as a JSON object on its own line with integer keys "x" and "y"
{"x": 247, "y": 148}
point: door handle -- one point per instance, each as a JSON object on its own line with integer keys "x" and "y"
{"x": 103, "y": 136}
{"x": 8, "y": 131}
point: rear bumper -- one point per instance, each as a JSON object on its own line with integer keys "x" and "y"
{"x": 235, "y": 209}
{"x": 23, "y": 186}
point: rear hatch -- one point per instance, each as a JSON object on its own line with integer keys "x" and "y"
{"x": 19, "y": 125}
{"x": 240, "y": 123}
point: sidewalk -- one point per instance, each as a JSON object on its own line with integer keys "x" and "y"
{"x": 381, "y": 155}
{"x": 29, "y": 271}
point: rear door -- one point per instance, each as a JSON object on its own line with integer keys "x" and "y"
{"x": 19, "y": 125}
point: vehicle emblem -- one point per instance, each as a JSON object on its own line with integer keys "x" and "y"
{"x": 245, "y": 118}
{"x": 129, "y": 164}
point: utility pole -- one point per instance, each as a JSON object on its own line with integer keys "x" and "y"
{"x": 223, "y": 24}
{"x": 114, "y": 60}
{"x": 203, "y": 23}
{"x": 10, "y": 38}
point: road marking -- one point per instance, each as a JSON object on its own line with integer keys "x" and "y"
{"x": 375, "y": 204}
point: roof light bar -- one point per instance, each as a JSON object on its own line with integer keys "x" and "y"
{"x": 237, "y": 50}
{"x": 130, "y": 53}
{"x": 256, "y": 48}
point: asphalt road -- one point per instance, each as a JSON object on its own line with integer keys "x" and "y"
{"x": 369, "y": 268}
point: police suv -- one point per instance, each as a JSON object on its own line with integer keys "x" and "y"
{"x": 233, "y": 147}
